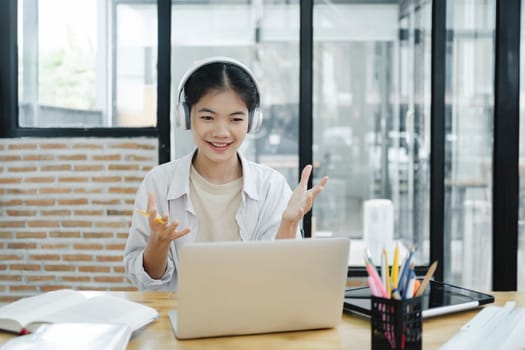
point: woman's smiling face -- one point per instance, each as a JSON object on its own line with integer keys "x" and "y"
{"x": 219, "y": 123}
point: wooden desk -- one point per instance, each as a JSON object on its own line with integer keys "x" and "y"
{"x": 352, "y": 333}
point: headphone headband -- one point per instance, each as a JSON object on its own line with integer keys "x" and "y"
{"x": 182, "y": 110}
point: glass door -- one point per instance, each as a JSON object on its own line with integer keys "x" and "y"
{"x": 371, "y": 124}
{"x": 468, "y": 148}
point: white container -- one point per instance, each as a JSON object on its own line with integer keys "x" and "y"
{"x": 378, "y": 227}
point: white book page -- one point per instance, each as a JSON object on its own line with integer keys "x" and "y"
{"x": 37, "y": 308}
{"x": 494, "y": 327}
{"x": 77, "y": 336}
{"x": 514, "y": 335}
{"x": 106, "y": 309}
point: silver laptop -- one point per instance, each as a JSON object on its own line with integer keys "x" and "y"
{"x": 232, "y": 288}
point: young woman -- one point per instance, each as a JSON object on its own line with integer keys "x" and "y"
{"x": 214, "y": 193}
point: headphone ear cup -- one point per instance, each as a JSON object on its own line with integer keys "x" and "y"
{"x": 256, "y": 121}
{"x": 183, "y": 119}
{"x": 187, "y": 116}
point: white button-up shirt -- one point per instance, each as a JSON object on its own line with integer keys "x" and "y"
{"x": 265, "y": 195}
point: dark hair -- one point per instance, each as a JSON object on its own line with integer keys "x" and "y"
{"x": 220, "y": 76}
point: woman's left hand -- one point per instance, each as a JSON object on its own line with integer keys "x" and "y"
{"x": 300, "y": 202}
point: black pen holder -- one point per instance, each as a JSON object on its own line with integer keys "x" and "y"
{"x": 397, "y": 324}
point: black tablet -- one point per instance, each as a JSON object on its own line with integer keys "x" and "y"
{"x": 439, "y": 299}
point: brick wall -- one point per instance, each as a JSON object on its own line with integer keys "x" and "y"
{"x": 65, "y": 208}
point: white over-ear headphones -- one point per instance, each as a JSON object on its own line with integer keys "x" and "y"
{"x": 182, "y": 111}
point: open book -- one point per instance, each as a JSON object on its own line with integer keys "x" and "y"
{"x": 61, "y": 306}
{"x": 78, "y": 336}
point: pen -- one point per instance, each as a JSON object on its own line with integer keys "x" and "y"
{"x": 399, "y": 284}
{"x": 384, "y": 274}
{"x": 376, "y": 280}
{"x": 403, "y": 285}
{"x": 426, "y": 279}
{"x": 409, "y": 291}
{"x": 373, "y": 287}
{"x": 145, "y": 213}
{"x": 403, "y": 278}
{"x": 368, "y": 259}
{"x": 395, "y": 267}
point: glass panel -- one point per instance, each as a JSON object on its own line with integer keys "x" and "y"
{"x": 68, "y": 71}
{"x": 521, "y": 217}
{"x": 136, "y": 65}
{"x": 468, "y": 149}
{"x": 371, "y": 124}
{"x": 265, "y": 37}
{"x": 418, "y": 134}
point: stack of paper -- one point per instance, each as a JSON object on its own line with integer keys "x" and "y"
{"x": 494, "y": 327}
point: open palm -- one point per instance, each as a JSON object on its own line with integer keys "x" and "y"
{"x": 302, "y": 198}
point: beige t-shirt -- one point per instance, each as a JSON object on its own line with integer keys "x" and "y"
{"x": 215, "y": 207}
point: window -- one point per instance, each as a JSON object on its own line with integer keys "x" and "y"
{"x": 93, "y": 66}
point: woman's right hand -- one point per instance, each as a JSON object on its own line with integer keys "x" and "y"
{"x": 162, "y": 232}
